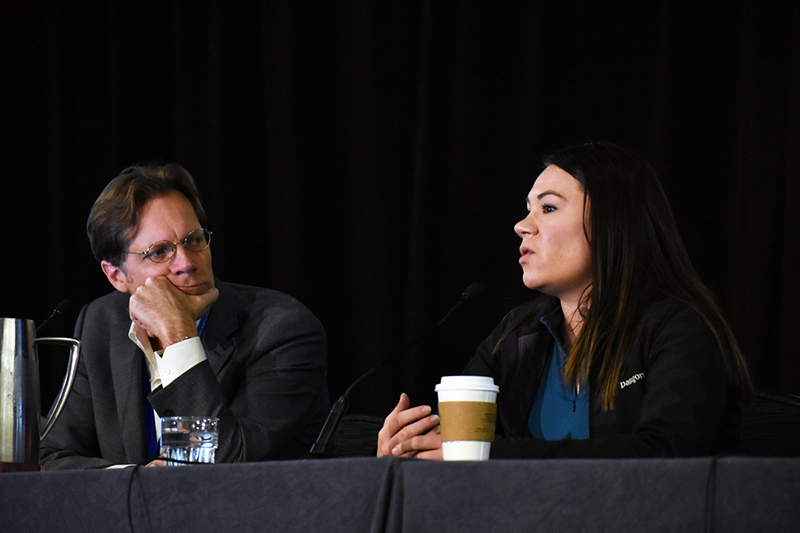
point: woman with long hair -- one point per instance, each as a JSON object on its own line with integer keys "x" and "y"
{"x": 623, "y": 351}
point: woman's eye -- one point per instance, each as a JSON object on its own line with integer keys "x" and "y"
{"x": 548, "y": 208}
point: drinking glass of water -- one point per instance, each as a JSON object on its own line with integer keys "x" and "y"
{"x": 189, "y": 439}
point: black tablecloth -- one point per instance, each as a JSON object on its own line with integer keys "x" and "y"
{"x": 366, "y": 494}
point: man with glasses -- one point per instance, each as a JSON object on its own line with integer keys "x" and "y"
{"x": 174, "y": 340}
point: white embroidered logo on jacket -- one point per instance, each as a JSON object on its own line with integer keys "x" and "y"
{"x": 631, "y": 380}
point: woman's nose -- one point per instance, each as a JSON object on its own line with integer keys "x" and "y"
{"x": 525, "y": 227}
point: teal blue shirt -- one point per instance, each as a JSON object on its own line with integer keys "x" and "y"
{"x": 558, "y": 412}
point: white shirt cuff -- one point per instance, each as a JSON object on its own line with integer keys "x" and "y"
{"x": 178, "y": 358}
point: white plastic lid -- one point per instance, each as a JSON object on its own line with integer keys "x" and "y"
{"x": 482, "y": 383}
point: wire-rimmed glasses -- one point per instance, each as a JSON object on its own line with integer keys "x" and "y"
{"x": 162, "y": 251}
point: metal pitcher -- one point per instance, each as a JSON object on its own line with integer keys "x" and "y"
{"x": 20, "y": 404}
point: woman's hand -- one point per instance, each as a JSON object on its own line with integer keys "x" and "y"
{"x": 410, "y": 432}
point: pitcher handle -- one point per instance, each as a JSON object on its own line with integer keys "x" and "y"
{"x": 69, "y": 379}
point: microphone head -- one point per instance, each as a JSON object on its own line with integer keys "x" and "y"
{"x": 473, "y": 292}
{"x": 64, "y": 306}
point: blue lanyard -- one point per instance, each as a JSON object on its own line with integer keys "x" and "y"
{"x": 202, "y": 325}
{"x": 153, "y": 444}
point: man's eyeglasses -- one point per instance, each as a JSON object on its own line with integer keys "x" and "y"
{"x": 162, "y": 251}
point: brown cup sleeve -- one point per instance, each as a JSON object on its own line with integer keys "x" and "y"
{"x": 473, "y": 421}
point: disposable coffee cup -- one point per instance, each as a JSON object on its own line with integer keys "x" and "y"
{"x": 467, "y": 416}
{"x": 189, "y": 439}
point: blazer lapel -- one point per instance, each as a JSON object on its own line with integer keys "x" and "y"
{"x": 126, "y": 373}
{"x": 222, "y": 322}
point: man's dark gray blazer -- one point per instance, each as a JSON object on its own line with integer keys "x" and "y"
{"x": 265, "y": 378}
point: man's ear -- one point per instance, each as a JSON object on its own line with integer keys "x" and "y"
{"x": 116, "y": 276}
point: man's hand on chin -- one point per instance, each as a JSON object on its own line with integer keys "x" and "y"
{"x": 167, "y": 312}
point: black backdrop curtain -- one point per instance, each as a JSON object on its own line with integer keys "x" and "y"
{"x": 371, "y": 158}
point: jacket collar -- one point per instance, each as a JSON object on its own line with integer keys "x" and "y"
{"x": 222, "y": 323}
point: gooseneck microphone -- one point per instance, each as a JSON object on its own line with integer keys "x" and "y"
{"x": 321, "y": 447}
{"x": 61, "y": 308}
